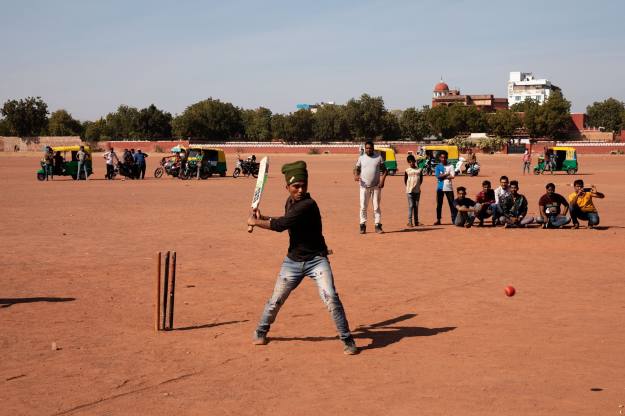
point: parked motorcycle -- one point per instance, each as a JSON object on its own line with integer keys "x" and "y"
{"x": 191, "y": 171}
{"x": 246, "y": 167}
{"x": 168, "y": 166}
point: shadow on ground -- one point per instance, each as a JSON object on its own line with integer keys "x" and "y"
{"x": 6, "y": 302}
{"x": 188, "y": 328}
{"x": 381, "y": 334}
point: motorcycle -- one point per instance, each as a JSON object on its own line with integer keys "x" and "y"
{"x": 191, "y": 171}
{"x": 430, "y": 167}
{"x": 168, "y": 166}
{"x": 246, "y": 167}
{"x": 461, "y": 167}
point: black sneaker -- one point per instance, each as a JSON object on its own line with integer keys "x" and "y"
{"x": 378, "y": 228}
{"x": 363, "y": 228}
{"x": 349, "y": 347}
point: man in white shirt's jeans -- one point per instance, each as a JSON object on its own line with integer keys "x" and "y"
{"x": 367, "y": 174}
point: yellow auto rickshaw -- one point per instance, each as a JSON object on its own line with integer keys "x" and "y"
{"x": 66, "y": 162}
{"x": 388, "y": 155}
{"x": 212, "y": 158}
{"x": 428, "y": 156}
{"x": 558, "y": 159}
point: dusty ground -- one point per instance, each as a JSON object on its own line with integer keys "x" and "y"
{"x": 437, "y": 333}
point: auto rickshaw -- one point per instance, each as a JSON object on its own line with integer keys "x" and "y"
{"x": 68, "y": 165}
{"x": 428, "y": 156}
{"x": 565, "y": 160}
{"x": 390, "y": 161}
{"x": 216, "y": 158}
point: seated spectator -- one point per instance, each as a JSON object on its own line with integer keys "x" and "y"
{"x": 486, "y": 199}
{"x": 501, "y": 192}
{"x": 466, "y": 208}
{"x": 549, "y": 206}
{"x": 515, "y": 208}
{"x": 582, "y": 207}
{"x": 59, "y": 163}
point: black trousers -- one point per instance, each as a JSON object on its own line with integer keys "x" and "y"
{"x": 109, "y": 171}
{"x": 142, "y": 170}
{"x": 439, "y": 204}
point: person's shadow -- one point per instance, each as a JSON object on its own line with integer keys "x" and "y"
{"x": 5, "y": 303}
{"x": 381, "y": 334}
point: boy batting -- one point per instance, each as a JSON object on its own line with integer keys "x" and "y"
{"x": 307, "y": 255}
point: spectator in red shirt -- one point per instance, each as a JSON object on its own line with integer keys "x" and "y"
{"x": 486, "y": 198}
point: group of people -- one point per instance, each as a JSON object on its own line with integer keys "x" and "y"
{"x": 504, "y": 205}
{"x": 132, "y": 164}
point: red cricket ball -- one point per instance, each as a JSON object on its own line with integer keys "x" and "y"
{"x": 510, "y": 291}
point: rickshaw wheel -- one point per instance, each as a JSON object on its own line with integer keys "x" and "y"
{"x": 222, "y": 174}
{"x": 536, "y": 172}
{"x": 255, "y": 174}
{"x": 571, "y": 171}
{"x": 205, "y": 175}
{"x": 158, "y": 172}
{"x": 392, "y": 172}
{"x": 41, "y": 176}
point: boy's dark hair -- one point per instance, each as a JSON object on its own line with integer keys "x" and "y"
{"x": 461, "y": 188}
{"x": 411, "y": 158}
{"x": 514, "y": 183}
{"x": 370, "y": 142}
{"x": 550, "y": 185}
{"x": 487, "y": 182}
{"x": 578, "y": 182}
{"x": 503, "y": 177}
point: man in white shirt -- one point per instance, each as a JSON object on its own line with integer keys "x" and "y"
{"x": 501, "y": 193}
{"x": 367, "y": 174}
{"x": 111, "y": 158}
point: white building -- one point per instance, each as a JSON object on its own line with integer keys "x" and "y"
{"x": 522, "y": 85}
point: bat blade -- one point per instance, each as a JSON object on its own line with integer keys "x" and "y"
{"x": 263, "y": 171}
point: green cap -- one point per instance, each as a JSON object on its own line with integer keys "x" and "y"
{"x": 295, "y": 172}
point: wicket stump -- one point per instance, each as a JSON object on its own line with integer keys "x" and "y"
{"x": 164, "y": 301}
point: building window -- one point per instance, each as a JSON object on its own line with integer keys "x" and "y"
{"x": 517, "y": 98}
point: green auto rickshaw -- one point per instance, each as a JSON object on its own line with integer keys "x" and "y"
{"x": 66, "y": 163}
{"x": 215, "y": 158}
{"x": 558, "y": 159}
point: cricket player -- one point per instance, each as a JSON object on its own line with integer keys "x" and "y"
{"x": 307, "y": 256}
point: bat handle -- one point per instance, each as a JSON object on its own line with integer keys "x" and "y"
{"x": 250, "y": 228}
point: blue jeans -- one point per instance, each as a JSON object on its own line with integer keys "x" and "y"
{"x": 82, "y": 166}
{"x": 554, "y": 220}
{"x": 413, "y": 207}
{"x": 291, "y": 275}
{"x": 577, "y": 214}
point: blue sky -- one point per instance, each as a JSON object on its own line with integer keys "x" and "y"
{"x": 91, "y": 56}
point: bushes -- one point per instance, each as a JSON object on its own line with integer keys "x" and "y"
{"x": 491, "y": 144}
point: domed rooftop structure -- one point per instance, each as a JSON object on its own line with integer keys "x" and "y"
{"x": 441, "y": 87}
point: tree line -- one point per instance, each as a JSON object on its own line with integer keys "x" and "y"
{"x": 363, "y": 117}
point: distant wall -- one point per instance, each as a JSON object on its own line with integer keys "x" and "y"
{"x": 35, "y": 144}
{"x": 144, "y": 145}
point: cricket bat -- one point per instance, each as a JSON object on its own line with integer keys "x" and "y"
{"x": 263, "y": 169}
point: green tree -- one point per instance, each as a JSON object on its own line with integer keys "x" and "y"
{"x": 153, "y": 123}
{"x": 209, "y": 119}
{"x": 26, "y": 117}
{"x": 5, "y": 128}
{"x": 391, "y": 130}
{"x": 414, "y": 124}
{"x": 365, "y": 116}
{"x": 301, "y": 124}
{"x": 609, "y": 114}
{"x": 94, "y": 131}
{"x": 61, "y": 123}
{"x": 550, "y": 120}
{"x": 503, "y": 123}
{"x": 441, "y": 122}
{"x": 331, "y": 124}
{"x": 257, "y": 124}
{"x": 280, "y": 127}
{"x": 123, "y": 123}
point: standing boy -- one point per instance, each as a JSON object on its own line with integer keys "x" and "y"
{"x": 413, "y": 177}
{"x": 445, "y": 174}
{"x": 367, "y": 174}
{"x": 527, "y": 161}
{"x": 307, "y": 256}
{"x": 82, "y": 158}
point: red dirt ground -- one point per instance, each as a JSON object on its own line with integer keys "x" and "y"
{"x": 428, "y": 309}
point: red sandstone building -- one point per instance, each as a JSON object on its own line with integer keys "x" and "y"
{"x": 442, "y": 95}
